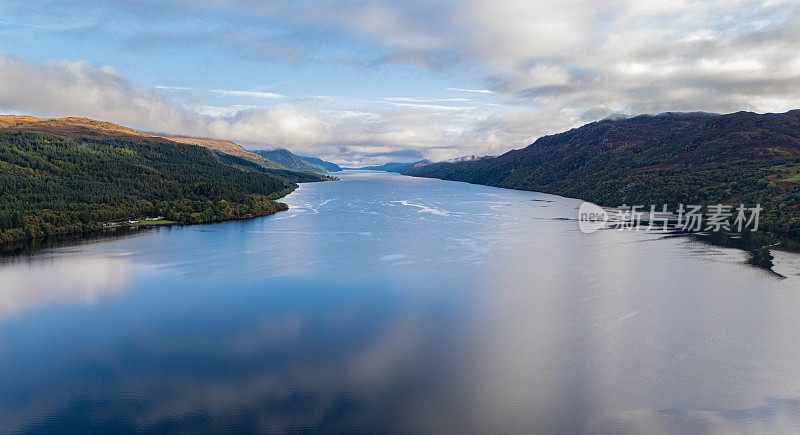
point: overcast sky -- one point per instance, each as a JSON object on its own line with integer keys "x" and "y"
{"x": 376, "y": 81}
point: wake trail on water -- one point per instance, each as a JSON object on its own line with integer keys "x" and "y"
{"x": 426, "y": 208}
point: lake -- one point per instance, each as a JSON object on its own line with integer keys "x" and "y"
{"x": 384, "y": 303}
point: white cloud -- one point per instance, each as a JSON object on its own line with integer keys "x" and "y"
{"x": 220, "y": 111}
{"x": 253, "y": 94}
{"x": 432, "y": 106}
{"x": 284, "y": 124}
{"x": 68, "y": 279}
{"x": 172, "y": 88}
{"x": 407, "y": 130}
{"x": 594, "y": 57}
{"x": 477, "y": 91}
{"x": 78, "y": 89}
{"x": 427, "y": 100}
{"x": 552, "y": 66}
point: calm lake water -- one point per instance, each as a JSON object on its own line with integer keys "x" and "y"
{"x": 395, "y": 304}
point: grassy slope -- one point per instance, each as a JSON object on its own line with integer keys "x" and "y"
{"x": 71, "y": 126}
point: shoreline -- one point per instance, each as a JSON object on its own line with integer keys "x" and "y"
{"x": 31, "y": 245}
{"x": 67, "y": 238}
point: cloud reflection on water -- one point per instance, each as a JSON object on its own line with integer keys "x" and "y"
{"x": 30, "y": 282}
{"x": 509, "y": 321}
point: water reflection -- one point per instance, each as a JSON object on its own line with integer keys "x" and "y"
{"x": 293, "y": 356}
{"x": 383, "y": 303}
{"x": 45, "y": 280}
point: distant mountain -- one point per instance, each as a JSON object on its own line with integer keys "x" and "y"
{"x": 396, "y": 167}
{"x": 671, "y": 158}
{"x": 328, "y": 166}
{"x": 291, "y": 161}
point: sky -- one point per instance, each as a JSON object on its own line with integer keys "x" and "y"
{"x": 368, "y": 82}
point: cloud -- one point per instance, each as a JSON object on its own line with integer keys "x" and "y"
{"x": 632, "y": 56}
{"x": 253, "y": 94}
{"x": 283, "y": 124}
{"x": 85, "y": 279}
{"x": 172, "y": 88}
{"x": 79, "y": 89}
{"x": 427, "y": 100}
{"x": 477, "y": 91}
{"x": 543, "y": 68}
{"x": 588, "y": 58}
{"x": 432, "y": 106}
{"x": 405, "y": 130}
{"x": 220, "y": 111}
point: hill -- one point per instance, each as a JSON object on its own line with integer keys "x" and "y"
{"x": 71, "y": 175}
{"x": 235, "y": 155}
{"x": 226, "y": 151}
{"x": 227, "y": 147}
{"x": 396, "y": 167}
{"x": 290, "y": 161}
{"x": 70, "y": 126}
{"x": 689, "y": 158}
{"x": 328, "y": 166}
{"x": 291, "y": 176}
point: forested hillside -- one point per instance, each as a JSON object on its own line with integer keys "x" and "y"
{"x": 52, "y": 185}
{"x": 246, "y": 164}
{"x": 229, "y": 148}
{"x": 291, "y": 161}
{"x": 328, "y": 166}
{"x": 689, "y": 158}
{"x": 396, "y": 167}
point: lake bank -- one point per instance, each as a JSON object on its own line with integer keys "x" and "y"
{"x": 99, "y": 228}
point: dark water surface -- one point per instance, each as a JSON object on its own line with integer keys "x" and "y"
{"x": 394, "y": 304}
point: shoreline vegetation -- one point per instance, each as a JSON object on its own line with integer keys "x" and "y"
{"x": 122, "y": 229}
{"x": 139, "y": 223}
{"x": 72, "y": 176}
